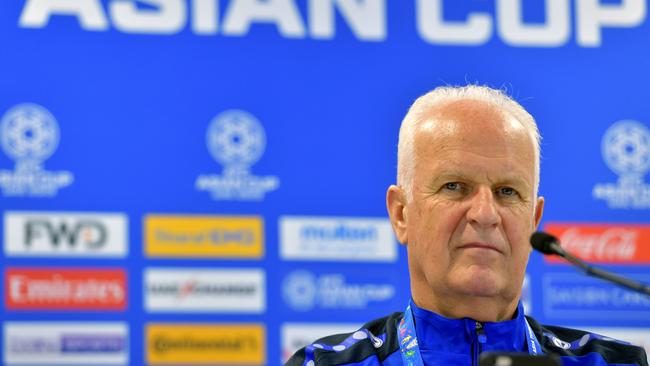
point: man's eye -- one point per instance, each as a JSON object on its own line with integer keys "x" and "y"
{"x": 507, "y": 191}
{"x": 454, "y": 186}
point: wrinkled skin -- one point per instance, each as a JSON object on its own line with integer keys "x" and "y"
{"x": 472, "y": 211}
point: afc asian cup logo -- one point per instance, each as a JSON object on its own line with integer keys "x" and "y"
{"x": 236, "y": 140}
{"x": 626, "y": 151}
{"x": 29, "y": 132}
{"x": 626, "y": 148}
{"x": 300, "y": 290}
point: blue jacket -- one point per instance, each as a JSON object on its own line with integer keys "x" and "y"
{"x": 449, "y": 342}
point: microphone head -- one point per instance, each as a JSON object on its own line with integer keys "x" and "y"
{"x": 545, "y": 243}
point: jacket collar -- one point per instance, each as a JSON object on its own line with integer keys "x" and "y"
{"x": 435, "y": 332}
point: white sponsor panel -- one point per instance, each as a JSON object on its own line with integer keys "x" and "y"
{"x": 205, "y": 290}
{"x": 69, "y": 343}
{"x": 337, "y": 239}
{"x": 65, "y": 234}
{"x": 298, "y": 335}
{"x": 637, "y": 336}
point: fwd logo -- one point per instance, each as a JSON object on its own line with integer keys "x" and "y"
{"x": 65, "y": 234}
{"x": 89, "y": 233}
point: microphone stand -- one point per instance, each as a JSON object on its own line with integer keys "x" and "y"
{"x": 547, "y": 244}
{"x": 605, "y": 275}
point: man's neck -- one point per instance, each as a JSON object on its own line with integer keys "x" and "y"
{"x": 478, "y": 308}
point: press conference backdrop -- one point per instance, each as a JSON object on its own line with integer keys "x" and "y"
{"x": 203, "y": 181}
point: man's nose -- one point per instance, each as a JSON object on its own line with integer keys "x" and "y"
{"x": 483, "y": 208}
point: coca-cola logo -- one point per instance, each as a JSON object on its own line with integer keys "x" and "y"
{"x": 612, "y": 244}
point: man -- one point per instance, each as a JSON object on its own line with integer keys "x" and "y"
{"x": 465, "y": 206}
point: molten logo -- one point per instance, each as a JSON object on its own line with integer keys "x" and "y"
{"x": 62, "y": 289}
{"x": 603, "y": 243}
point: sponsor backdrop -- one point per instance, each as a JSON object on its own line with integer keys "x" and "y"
{"x": 203, "y": 181}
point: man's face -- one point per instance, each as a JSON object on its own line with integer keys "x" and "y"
{"x": 473, "y": 204}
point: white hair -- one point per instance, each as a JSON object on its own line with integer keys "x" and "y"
{"x": 446, "y": 94}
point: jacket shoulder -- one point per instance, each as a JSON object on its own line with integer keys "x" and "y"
{"x": 377, "y": 338}
{"x": 585, "y": 347}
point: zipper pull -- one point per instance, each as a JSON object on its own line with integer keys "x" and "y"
{"x": 480, "y": 333}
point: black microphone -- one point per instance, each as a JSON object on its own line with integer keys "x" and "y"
{"x": 550, "y": 245}
{"x": 546, "y": 243}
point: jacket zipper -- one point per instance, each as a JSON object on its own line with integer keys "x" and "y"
{"x": 477, "y": 345}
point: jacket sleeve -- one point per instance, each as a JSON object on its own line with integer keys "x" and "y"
{"x": 376, "y": 340}
{"x": 583, "y": 347}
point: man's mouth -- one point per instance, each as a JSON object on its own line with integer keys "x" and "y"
{"x": 486, "y": 246}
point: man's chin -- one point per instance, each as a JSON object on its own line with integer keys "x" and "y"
{"x": 478, "y": 284}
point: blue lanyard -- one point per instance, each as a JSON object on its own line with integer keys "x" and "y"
{"x": 410, "y": 350}
{"x": 408, "y": 340}
{"x": 534, "y": 348}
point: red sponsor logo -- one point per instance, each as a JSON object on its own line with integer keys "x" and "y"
{"x": 603, "y": 243}
{"x": 63, "y": 289}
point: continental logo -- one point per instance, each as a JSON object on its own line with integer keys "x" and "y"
{"x": 204, "y": 236}
{"x": 188, "y": 344}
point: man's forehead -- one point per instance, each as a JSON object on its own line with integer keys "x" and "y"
{"x": 448, "y": 117}
{"x": 468, "y": 136}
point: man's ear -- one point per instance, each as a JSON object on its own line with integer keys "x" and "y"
{"x": 396, "y": 205}
{"x": 539, "y": 210}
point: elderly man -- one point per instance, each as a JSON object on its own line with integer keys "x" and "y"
{"x": 465, "y": 205}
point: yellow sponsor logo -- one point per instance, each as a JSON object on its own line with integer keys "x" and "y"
{"x": 204, "y": 236}
{"x": 204, "y": 344}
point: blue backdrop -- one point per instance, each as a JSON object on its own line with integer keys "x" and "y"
{"x": 290, "y": 110}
